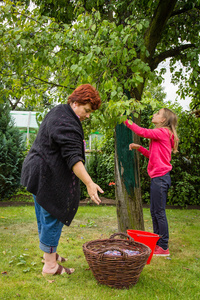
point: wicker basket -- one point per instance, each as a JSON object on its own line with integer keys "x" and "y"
{"x": 116, "y": 271}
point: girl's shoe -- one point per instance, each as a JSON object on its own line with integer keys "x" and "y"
{"x": 156, "y": 247}
{"x": 160, "y": 251}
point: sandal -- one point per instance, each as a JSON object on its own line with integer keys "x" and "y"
{"x": 60, "y": 271}
{"x": 58, "y": 258}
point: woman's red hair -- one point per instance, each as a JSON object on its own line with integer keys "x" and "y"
{"x": 84, "y": 94}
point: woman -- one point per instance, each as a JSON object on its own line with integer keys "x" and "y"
{"x": 53, "y": 167}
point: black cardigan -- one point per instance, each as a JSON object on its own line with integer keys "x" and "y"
{"x": 47, "y": 169}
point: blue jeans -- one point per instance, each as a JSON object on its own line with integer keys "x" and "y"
{"x": 158, "y": 198}
{"x": 49, "y": 229}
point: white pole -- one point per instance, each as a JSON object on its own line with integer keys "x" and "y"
{"x": 28, "y": 126}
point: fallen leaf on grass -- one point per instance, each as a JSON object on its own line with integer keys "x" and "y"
{"x": 51, "y": 281}
{"x": 24, "y": 254}
{"x": 26, "y": 270}
{"x": 186, "y": 268}
{"x": 22, "y": 262}
{"x": 4, "y": 273}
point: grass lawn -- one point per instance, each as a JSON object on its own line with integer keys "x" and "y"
{"x": 20, "y": 258}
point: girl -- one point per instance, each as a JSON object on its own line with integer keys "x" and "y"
{"x": 164, "y": 139}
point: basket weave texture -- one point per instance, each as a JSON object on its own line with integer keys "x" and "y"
{"x": 116, "y": 271}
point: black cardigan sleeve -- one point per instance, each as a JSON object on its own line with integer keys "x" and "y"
{"x": 67, "y": 134}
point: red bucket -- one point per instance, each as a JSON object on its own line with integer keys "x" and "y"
{"x": 144, "y": 237}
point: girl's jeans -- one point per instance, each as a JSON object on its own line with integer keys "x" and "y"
{"x": 158, "y": 196}
{"x": 49, "y": 229}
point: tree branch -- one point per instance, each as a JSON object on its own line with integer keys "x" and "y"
{"x": 183, "y": 10}
{"x": 16, "y": 12}
{"x": 100, "y": 76}
{"x": 14, "y": 105}
{"x": 74, "y": 50}
{"x": 51, "y": 83}
{"x": 169, "y": 53}
{"x": 158, "y": 22}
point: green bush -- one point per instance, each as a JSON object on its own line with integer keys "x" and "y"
{"x": 185, "y": 174}
{"x": 101, "y": 168}
{"x": 11, "y": 154}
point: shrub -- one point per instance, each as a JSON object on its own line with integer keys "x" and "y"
{"x": 101, "y": 168}
{"x": 11, "y": 154}
{"x": 185, "y": 173}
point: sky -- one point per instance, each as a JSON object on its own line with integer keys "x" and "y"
{"x": 170, "y": 89}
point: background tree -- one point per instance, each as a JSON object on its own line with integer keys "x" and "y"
{"x": 12, "y": 149}
{"x": 116, "y": 47}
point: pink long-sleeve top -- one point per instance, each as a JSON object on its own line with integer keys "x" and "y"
{"x": 160, "y": 148}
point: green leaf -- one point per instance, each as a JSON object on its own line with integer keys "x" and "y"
{"x": 93, "y": 27}
{"x": 27, "y": 270}
{"x": 73, "y": 68}
{"x": 139, "y": 27}
{"x": 22, "y": 262}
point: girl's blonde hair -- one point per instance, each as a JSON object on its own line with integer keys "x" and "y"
{"x": 171, "y": 123}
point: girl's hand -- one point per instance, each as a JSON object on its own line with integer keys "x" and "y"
{"x": 134, "y": 146}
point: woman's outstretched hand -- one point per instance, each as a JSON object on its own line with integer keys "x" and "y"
{"x": 134, "y": 146}
{"x": 93, "y": 190}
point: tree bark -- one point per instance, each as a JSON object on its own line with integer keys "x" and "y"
{"x": 127, "y": 181}
{"x": 158, "y": 22}
{"x": 127, "y": 177}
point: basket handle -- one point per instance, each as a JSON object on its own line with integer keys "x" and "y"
{"x": 122, "y": 234}
{"x": 123, "y": 254}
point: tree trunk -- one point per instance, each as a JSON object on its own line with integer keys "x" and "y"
{"x": 127, "y": 181}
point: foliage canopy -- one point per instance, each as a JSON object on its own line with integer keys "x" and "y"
{"x": 114, "y": 45}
